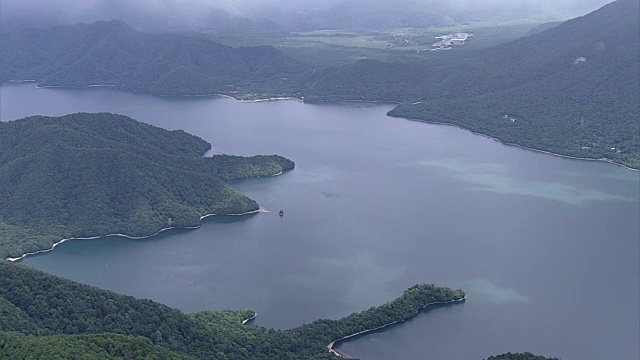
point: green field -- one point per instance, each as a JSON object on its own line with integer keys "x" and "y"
{"x": 342, "y": 46}
{"x": 361, "y": 41}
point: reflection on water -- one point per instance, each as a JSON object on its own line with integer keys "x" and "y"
{"x": 496, "y": 178}
{"x": 487, "y": 291}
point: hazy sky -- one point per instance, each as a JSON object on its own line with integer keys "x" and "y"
{"x": 199, "y": 12}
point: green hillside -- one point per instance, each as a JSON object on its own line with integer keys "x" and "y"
{"x": 87, "y": 347}
{"x": 572, "y": 89}
{"x": 84, "y": 175}
{"x": 70, "y": 320}
{"x": 52, "y": 318}
{"x": 113, "y": 53}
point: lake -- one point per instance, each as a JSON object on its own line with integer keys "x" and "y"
{"x": 547, "y": 248}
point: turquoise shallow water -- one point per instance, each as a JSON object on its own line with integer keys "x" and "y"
{"x": 546, "y": 247}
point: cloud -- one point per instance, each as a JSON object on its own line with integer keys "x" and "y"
{"x": 193, "y": 12}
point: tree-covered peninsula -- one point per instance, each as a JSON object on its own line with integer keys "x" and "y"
{"x": 40, "y": 311}
{"x": 46, "y": 317}
{"x": 83, "y": 175}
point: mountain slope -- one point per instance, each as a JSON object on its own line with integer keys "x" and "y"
{"x": 86, "y": 175}
{"x": 572, "y": 89}
{"x": 87, "y": 347}
{"x": 115, "y": 54}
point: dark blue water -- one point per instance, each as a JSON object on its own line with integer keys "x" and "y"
{"x": 547, "y": 248}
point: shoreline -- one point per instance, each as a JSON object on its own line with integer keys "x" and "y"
{"x": 604, "y": 160}
{"x": 334, "y": 343}
{"x": 268, "y": 99}
{"x": 335, "y": 101}
{"x": 277, "y": 98}
{"x": 249, "y": 318}
{"x": 225, "y": 96}
{"x": 68, "y": 87}
{"x": 53, "y": 246}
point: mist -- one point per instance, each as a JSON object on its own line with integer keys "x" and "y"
{"x": 169, "y": 15}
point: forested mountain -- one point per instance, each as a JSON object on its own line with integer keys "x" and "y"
{"x": 14, "y": 345}
{"x": 543, "y": 27}
{"x": 572, "y": 89}
{"x": 113, "y": 53}
{"x": 73, "y": 320}
{"x": 85, "y": 175}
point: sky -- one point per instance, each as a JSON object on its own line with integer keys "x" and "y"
{"x": 198, "y": 13}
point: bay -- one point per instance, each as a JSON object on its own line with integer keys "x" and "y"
{"x": 547, "y": 248}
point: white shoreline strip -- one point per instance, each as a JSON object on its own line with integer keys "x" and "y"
{"x": 284, "y": 98}
{"x": 249, "y": 319}
{"x": 516, "y": 145}
{"x": 336, "y": 352}
{"x": 72, "y": 87}
{"x": 261, "y": 210}
{"x": 281, "y": 98}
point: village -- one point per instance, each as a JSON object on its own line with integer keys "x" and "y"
{"x": 446, "y": 41}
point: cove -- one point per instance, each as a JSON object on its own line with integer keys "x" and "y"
{"x": 545, "y": 247}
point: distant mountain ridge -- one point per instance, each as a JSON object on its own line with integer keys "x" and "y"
{"x": 250, "y": 17}
{"x": 571, "y": 89}
{"x": 113, "y": 53}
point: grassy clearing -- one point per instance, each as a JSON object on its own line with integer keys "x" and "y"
{"x": 363, "y": 41}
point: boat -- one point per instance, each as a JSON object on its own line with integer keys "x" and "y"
{"x": 281, "y": 213}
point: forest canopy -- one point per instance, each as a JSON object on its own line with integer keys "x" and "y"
{"x": 72, "y": 319}
{"x": 83, "y": 175}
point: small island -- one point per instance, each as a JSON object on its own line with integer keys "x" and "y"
{"x": 88, "y": 175}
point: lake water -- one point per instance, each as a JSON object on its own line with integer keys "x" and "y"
{"x": 547, "y": 248}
